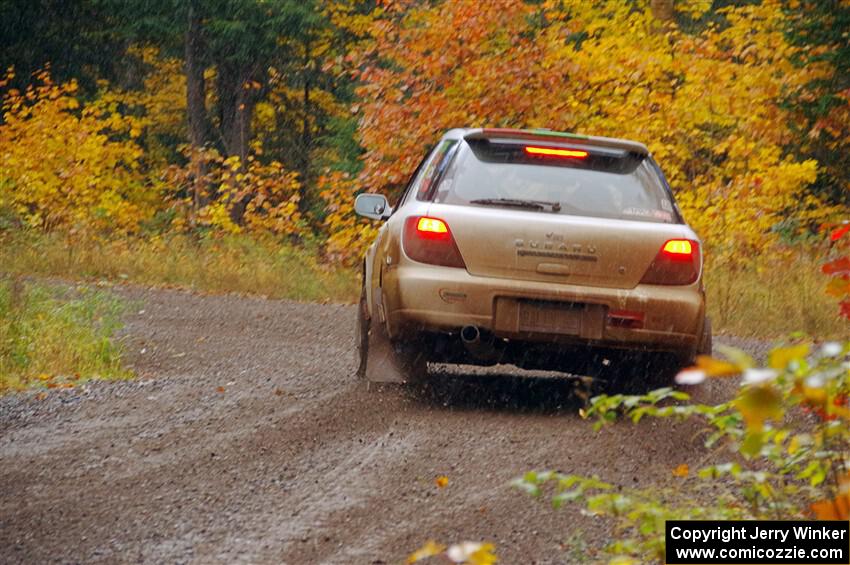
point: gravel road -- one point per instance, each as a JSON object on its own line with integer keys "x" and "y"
{"x": 247, "y": 439}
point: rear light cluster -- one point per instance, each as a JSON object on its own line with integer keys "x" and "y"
{"x": 677, "y": 263}
{"x": 625, "y": 319}
{"x": 429, "y": 240}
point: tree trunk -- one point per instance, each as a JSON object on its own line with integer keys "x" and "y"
{"x": 662, "y": 10}
{"x": 306, "y": 134}
{"x": 303, "y": 155}
{"x": 196, "y": 108}
{"x": 236, "y": 107}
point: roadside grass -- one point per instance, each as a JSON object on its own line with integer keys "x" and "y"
{"x": 237, "y": 264}
{"x": 54, "y": 337}
{"x": 773, "y": 297}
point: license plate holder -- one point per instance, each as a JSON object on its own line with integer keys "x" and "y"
{"x": 539, "y": 316}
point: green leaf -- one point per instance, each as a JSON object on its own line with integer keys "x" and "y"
{"x": 752, "y": 443}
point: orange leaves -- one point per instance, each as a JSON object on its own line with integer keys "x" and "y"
{"x": 826, "y": 407}
{"x": 839, "y": 232}
{"x": 442, "y": 481}
{"x": 838, "y": 287}
{"x": 54, "y": 381}
{"x": 839, "y": 270}
{"x": 707, "y": 366}
{"x": 716, "y": 367}
{"x": 837, "y": 266}
{"x": 681, "y": 471}
{"x": 462, "y": 82}
{"x": 838, "y": 508}
{"x": 694, "y": 91}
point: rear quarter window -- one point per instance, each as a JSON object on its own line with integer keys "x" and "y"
{"x": 434, "y": 169}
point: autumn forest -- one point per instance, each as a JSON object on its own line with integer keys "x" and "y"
{"x": 207, "y": 120}
{"x": 177, "y": 186}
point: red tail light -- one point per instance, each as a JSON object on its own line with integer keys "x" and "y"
{"x": 553, "y": 152}
{"x": 677, "y": 263}
{"x": 429, "y": 240}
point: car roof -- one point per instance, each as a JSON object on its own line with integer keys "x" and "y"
{"x": 547, "y": 135}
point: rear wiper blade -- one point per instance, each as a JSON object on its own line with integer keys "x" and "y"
{"x": 530, "y": 204}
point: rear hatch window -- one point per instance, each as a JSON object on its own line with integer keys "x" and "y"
{"x": 579, "y": 181}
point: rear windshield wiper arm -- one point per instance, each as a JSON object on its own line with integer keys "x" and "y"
{"x": 530, "y": 204}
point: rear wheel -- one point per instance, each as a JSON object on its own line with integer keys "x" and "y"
{"x": 381, "y": 360}
{"x": 362, "y": 334}
{"x": 706, "y": 343}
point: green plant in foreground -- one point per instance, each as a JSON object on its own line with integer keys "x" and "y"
{"x": 785, "y": 436}
{"x": 54, "y": 337}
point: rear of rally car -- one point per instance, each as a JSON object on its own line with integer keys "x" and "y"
{"x": 534, "y": 248}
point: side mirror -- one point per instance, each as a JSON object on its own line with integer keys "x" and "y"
{"x": 373, "y": 206}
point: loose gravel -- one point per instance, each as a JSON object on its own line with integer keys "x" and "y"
{"x": 246, "y": 438}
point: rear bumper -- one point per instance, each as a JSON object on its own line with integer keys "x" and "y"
{"x": 440, "y": 299}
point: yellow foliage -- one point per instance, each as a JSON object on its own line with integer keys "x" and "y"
{"x": 470, "y": 553}
{"x": 716, "y": 367}
{"x": 239, "y": 196}
{"x": 430, "y": 549}
{"x": 163, "y": 99}
{"x": 65, "y": 165}
{"x": 349, "y": 235}
{"x": 781, "y": 357}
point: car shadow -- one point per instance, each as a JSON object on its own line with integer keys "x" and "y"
{"x": 503, "y": 388}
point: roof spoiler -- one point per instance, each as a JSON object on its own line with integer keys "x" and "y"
{"x": 545, "y": 135}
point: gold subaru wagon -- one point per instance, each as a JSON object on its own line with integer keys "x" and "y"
{"x": 535, "y": 248}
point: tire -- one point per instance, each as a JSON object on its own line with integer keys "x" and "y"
{"x": 362, "y": 334}
{"x": 410, "y": 361}
{"x": 707, "y": 342}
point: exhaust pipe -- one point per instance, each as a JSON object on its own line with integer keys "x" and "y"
{"x": 480, "y": 349}
{"x": 470, "y": 335}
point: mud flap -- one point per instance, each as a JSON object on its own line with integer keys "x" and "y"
{"x": 382, "y": 362}
{"x": 377, "y": 359}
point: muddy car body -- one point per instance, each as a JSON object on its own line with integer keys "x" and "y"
{"x": 534, "y": 248}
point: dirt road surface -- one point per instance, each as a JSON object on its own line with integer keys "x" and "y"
{"x": 247, "y": 439}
